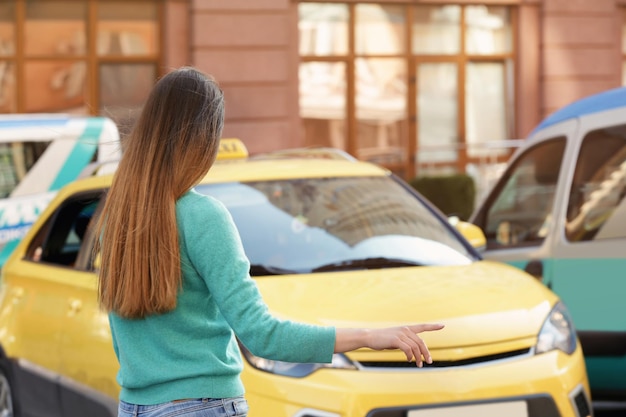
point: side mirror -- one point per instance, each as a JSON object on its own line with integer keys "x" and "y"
{"x": 97, "y": 262}
{"x": 472, "y": 233}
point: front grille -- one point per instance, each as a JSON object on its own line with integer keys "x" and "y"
{"x": 446, "y": 364}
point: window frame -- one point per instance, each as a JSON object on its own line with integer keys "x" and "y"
{"x": 408, "y": 166}
{"x": 93, "y": 61}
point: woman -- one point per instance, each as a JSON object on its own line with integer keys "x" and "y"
{"x": 174, "y": 277}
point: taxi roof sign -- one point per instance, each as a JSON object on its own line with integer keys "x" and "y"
{"x": 232, "y": 148}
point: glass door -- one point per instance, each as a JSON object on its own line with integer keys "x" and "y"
{"x": 437, "y": 114}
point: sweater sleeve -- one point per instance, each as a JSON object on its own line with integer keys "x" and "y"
{"x": 213, "y": 244}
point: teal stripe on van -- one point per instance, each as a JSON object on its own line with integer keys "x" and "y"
{"x": 7, "y": 250}
{"x": 82, "y": 153}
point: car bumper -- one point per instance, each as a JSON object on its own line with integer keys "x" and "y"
{"x": 547, "y": 385}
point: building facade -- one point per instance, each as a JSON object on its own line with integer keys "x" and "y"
{"x": 417, "y": 86}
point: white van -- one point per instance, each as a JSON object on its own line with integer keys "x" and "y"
{"x": 559, "y": 212}
{"x": 39, "y": 153}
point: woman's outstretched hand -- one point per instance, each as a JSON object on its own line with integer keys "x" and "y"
{"x": 405, "y": 338}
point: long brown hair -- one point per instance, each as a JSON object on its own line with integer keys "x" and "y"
{"x": 171, "y": 148}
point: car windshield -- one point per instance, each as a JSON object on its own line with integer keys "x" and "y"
{"x": 334, "y": 224}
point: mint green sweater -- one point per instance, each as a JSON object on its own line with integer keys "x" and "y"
{"x": 192, "y": 352}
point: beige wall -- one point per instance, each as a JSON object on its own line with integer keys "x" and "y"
{"x": 251, "y": 48}
{"x": 528, "y": 110}
{"x": 580, "y": 50}
{"x": 176, "y": 36}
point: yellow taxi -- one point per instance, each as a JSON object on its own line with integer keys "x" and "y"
{"x": 333, "y": 241}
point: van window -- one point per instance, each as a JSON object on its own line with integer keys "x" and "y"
{"x": 16, "y": 159}
{"x": 519, "y": 213}
{"x": 596, "y": 207}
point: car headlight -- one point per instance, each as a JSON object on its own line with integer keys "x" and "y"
{"x": 292, "y": 369}
{"x": 557, "y": 332}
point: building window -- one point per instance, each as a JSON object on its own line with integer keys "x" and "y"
{"x": 79, "y": 57}
{"x": 412, "y": 87}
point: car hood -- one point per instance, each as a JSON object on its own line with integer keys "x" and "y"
{"x": 481, "y": 303}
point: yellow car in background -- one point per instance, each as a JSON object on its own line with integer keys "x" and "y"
{"x": 332, "y": 241}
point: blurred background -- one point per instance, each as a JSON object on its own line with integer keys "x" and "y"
{"x": 423, "y": 88}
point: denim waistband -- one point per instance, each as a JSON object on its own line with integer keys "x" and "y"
{"x": 138, "y": 408}
{"x": 222, "y": 407}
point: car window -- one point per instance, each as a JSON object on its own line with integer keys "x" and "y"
{"x": 596, "y": 207}
{"x": 16, "y": 159}
{"x": 322, "y": 224}
{"x": 63, "y": 236}
{"x": 518, "y": 212}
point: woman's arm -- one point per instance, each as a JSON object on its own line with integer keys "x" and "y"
{"x": 404, "y": 338}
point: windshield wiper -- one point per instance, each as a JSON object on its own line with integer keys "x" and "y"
{"x": 257, "y": 270}
{"x": 365, "y": 263}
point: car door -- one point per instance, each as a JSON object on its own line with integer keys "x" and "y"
{"x": 518, "y": 215}
{"x": 38, "y": 304}
{"x": 589, "y": 269}
{"x": 86, "y": 364}
{"x": 31, "y": 322}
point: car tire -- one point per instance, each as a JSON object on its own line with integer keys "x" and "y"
{"x": 6, "y": 396}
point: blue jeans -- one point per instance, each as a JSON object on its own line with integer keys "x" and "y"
{"x": 201, "y": 407}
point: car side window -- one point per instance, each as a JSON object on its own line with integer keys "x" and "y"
{"x": 596, "y": 207}
{"x": 518, "y": 213}
{"x": 64, "y": 236}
